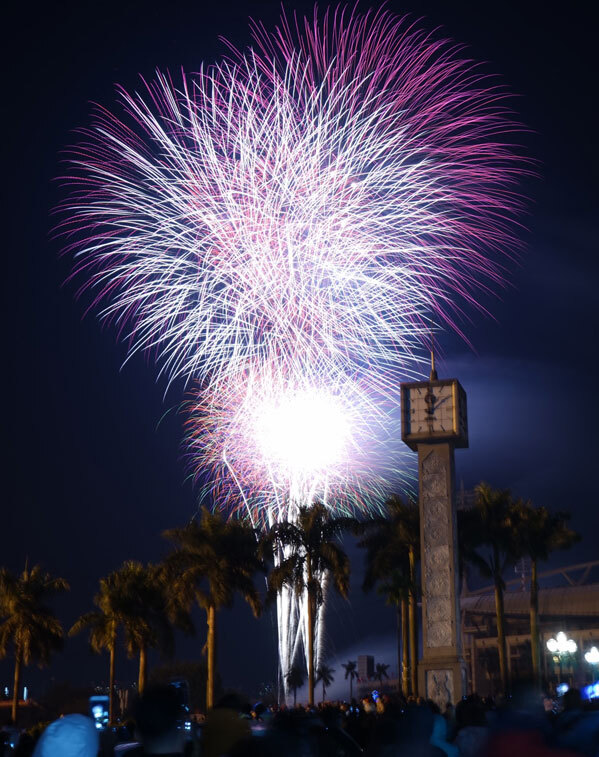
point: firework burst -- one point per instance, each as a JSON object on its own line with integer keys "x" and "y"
{"x": 318, "y": 198}
{"x": 283, "y": 228}
{"x": 271, "y": 442}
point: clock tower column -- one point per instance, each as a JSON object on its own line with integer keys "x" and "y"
{"x": 434, "y": 424}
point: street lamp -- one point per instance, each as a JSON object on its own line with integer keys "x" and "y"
{"x": 561, "y": 647}
{"x": 592, "y": 656}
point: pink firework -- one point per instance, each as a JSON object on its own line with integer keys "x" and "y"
{"x": 317, "y": 201}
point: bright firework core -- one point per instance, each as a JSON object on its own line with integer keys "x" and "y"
{"x": 303, "y": 433}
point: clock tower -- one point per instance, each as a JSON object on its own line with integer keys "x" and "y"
{"x": 434, "y": 423}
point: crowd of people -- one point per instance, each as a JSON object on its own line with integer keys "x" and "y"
{"x": 523, "y": 725}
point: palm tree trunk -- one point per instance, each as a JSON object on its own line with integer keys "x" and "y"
{"x": 413, "y": 626}
{"x": 143, "y": 669}
{"x": 16, "y": 685}
{"x": 111, "y": 683}
{"x": 211, "y": 657}
{"x": 351, "y": 687}
{"x": 323, "y": 692}
{"x": 310, "y": 654}
{"x": 398, "y": 612}
{"x": 405, "y": 668}
{"x": 310, "y": 637}
{"x": 534, "y": 625}
{"x": 501, "y": 636}
{"x": 295, "y": 696}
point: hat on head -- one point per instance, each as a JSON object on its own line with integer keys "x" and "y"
{"x": 69, "y": 736}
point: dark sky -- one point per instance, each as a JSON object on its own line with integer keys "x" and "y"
{"x": 92, "y": 478}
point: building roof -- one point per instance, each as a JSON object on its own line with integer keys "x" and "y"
{"x": 581, "y": 601}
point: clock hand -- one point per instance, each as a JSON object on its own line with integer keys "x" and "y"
{"x": 432, "y": 405}
{"x": 440, "y": 403}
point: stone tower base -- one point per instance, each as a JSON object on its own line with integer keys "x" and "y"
{"x": 444, "y": 681}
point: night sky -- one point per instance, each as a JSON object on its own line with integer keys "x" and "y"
{"x": 93, "y": 475}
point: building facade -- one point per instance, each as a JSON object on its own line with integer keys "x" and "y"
{"x": 568, "y": 602}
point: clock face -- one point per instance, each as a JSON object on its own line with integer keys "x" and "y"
{"x": 431, "y": 410}
{"x": 434, "y": 411}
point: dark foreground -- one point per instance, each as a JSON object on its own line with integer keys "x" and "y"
{"x": 527, "y": 724}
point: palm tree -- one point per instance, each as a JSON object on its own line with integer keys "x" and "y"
{"x": 380, "y": 672}
{"x": 27, "y": 623}
{"x": 312, "y": 550}
{"x": 295, "y": 680}
{"x": 102, "y": 625}
{"x": 540, "y": 532}
{"x": 396, "y": 592}
{"x": 392, "y": 550}
{"x": 133, "y": 600}
{"x": 146, "y": 615}
{"x": 324, "y": 674}
{"x": 490, "y": 524}
{"x": 214, "y": 559}
{"x": 351, "y": 673}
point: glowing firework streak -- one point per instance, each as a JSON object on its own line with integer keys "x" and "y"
{"x": 272, "y": 441}
{"x": 283, "y": 226}
{"x": 315, "y": 199}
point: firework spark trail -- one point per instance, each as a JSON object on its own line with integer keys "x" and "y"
{"x": 287, "y": 224}
{"x": 292, "y": 202}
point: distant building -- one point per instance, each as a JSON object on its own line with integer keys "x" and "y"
{"x": 365, "y": 667}
{"x": 367, "y": 681}
{"x": 568, "y": 602}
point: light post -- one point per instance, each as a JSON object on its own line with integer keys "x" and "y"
{"x": 561, "y": 647}
{"x": 592, "y": 656}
